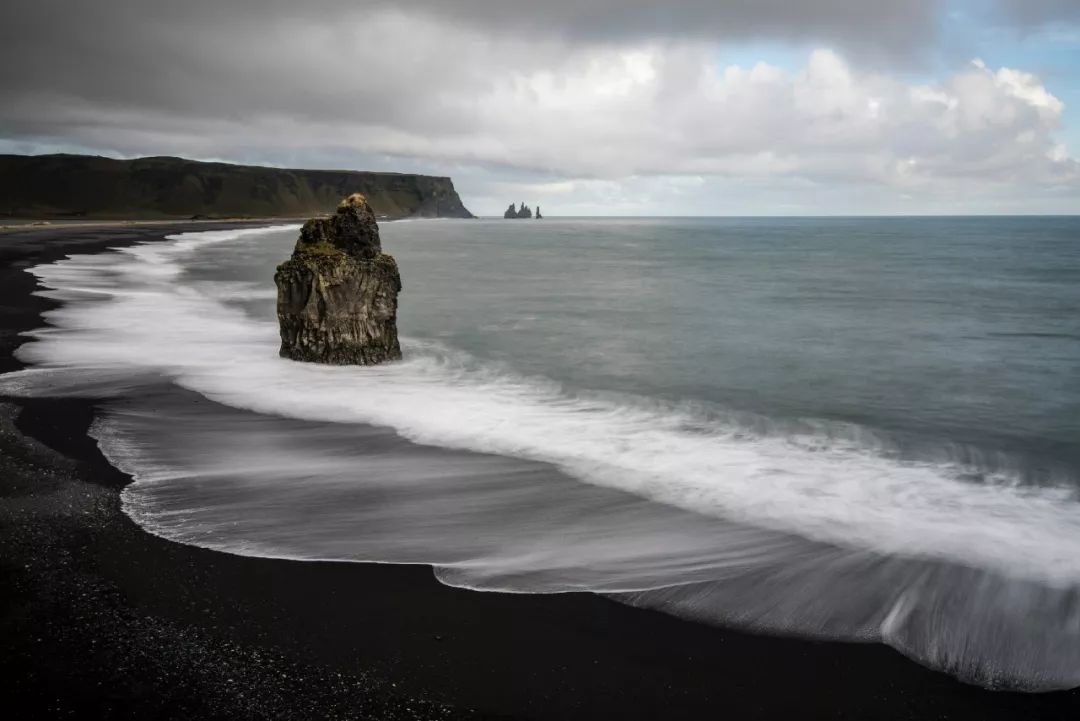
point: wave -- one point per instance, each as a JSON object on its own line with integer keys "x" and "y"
{"x": 803, "y": 526}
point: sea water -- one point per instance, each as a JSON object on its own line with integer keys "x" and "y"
{"x": 851, "y": 428}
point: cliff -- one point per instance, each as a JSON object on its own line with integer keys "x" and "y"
{"x": 82, "y": 186}
{"x": 337, "y": 295}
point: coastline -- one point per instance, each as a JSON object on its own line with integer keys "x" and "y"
{"x": 194, "y": 224}
{"x": 103, "y": 619}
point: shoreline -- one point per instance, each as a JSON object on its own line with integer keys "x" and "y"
{"x": 189, "y": 224}
{"x": 106, "y": 620}
{"x": 49, "y": 224}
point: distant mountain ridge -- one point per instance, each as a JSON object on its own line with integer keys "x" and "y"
{"x": 85, "y": 186}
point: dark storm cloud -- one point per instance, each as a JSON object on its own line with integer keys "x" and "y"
{"x": 227, "y": 56}
{"x": 223, "y": 59}
{"x": 886, "y": 26}
{"x": 1036, "y": 12}
{"x": 890, "y": 26}
{"x": 600, "y": 89}
{"x": 161, "y": 53}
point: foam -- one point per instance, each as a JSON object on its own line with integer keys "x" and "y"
{"x": 130, "y": 315}
{"x": 824, "y": 489}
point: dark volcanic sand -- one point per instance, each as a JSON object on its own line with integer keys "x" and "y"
{"x": 102, "y": 620}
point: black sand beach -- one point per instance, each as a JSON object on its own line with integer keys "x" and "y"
{"x": 102, "y": 620}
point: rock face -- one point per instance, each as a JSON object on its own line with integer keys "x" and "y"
{"x": 337, "y": 295}
{"x": 524, "y": 212}
{"x": 81, "y": 186}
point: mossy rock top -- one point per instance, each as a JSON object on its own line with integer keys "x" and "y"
{"x": 356, "y": 200}
{"x": 352, "y": 231}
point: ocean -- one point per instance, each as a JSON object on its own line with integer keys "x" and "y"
{"x": 864, "y": 429}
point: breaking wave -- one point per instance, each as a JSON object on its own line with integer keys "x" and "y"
{"x": 523, "y": 484}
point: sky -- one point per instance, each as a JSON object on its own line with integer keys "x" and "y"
{"x": 584, "y": 107}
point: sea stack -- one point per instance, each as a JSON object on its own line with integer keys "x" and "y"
{"x": 513, "y": 213}
{"x": 337, "y": 295}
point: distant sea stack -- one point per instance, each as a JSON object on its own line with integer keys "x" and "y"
{"x": 337, "y": 295}
{"x": 513, "y": 213}
{"x": 83, "y": 186}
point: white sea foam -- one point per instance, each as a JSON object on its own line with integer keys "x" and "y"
{"x": 131, "y": 314}
{"x": 828, "y": 491}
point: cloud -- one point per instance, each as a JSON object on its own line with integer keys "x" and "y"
{"x": 898, "y": 26}
{"x": 555, "y": 98}
{"x": 1037, "y": 12}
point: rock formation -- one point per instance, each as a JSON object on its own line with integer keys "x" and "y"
{"x": 524, "y": 212}
{"x": 337, "y": 295}
{"x": 538, "y": 216}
